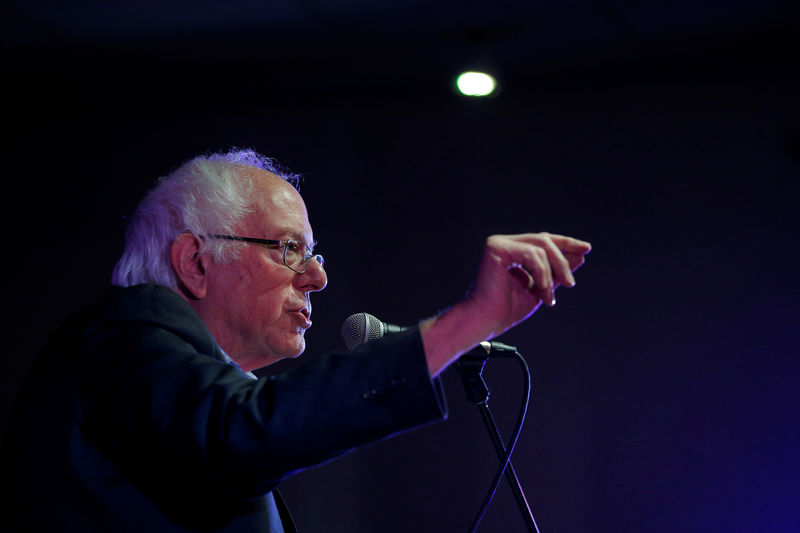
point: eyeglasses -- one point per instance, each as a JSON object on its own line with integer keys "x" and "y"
{"x": 295, "y": 253}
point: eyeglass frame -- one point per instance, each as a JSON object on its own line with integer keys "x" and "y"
{"x": 277, "y": 242}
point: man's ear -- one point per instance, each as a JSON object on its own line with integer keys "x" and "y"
{"x": 188, "y": 264}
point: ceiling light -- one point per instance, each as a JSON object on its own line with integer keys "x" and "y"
{"x": 475, "y": 84}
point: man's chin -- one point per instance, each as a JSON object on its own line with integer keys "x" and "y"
{"x": 299, "y": 347}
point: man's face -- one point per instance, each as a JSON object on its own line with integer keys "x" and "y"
{"x": 259, "y": 307}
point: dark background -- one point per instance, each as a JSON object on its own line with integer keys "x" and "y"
{"x": 666, "y": 133}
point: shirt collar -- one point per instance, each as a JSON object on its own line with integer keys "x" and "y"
{"x": 230, "y": 361}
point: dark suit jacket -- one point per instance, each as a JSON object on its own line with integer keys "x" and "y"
{"x": 132, "y": 421}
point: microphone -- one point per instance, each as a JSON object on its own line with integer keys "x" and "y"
{"x": 363, "y": 327}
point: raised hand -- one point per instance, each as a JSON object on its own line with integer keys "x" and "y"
{"x": 517, "y": 274}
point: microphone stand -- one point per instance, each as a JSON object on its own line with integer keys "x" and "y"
{"x": 470, "y": 367}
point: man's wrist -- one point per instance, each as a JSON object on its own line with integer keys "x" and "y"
{"x": 448, "y": 335}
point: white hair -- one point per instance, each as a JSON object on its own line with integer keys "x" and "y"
{"x": 208, "y": 194}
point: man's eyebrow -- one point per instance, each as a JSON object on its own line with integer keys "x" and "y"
{"x": 299, "y": 237}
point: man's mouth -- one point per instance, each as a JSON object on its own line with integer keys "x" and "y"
{"x": 302, "y": 315}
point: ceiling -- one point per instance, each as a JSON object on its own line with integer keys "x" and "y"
{"x": 356, "y": 41}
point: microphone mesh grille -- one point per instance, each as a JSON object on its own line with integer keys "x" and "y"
{"x": 360, "y": 328}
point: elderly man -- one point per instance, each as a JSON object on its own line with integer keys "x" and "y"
{"x": 142, "y": 414}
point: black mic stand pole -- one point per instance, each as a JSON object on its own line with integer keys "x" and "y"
{"x": 470, "y": 366}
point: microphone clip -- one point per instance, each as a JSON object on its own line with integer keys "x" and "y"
{"x": 470, "y": 367}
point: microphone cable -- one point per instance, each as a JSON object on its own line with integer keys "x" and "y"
{"x": 508, "y": 450}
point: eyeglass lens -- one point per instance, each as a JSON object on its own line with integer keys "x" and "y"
{"x": 296, "y": 256}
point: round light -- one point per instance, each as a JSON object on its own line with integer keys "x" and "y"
{"x": 475, "y": 84}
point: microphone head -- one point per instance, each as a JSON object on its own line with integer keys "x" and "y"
{"x": 360, "y": 328}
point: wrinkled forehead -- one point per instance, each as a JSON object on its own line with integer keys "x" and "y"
{"x": 279, "y": 211}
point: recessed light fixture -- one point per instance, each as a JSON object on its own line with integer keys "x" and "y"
{"x": 475, "y": 84}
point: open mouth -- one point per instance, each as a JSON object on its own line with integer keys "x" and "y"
{"x": 303, "y": 316}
